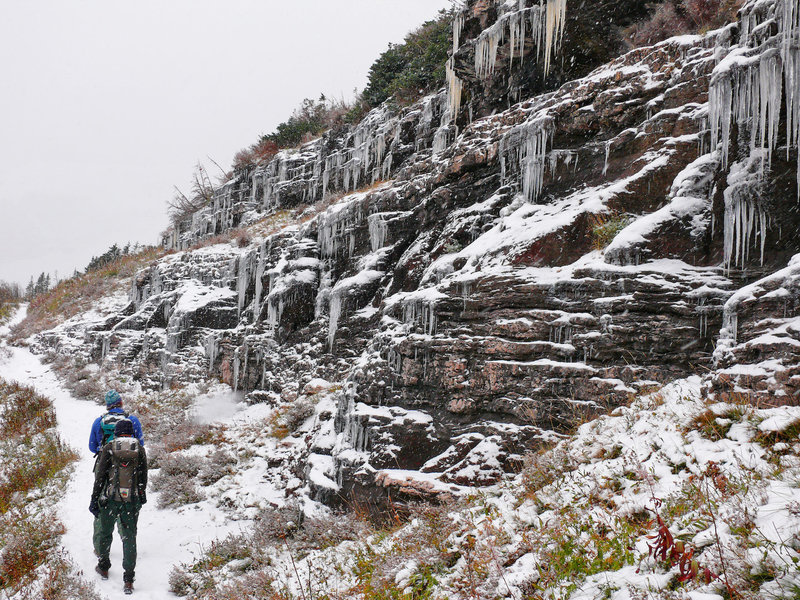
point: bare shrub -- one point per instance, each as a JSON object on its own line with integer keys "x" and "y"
{"x": 176, "y": 480}
{"x": 297, "y": 414}
{"x": 179, "y": 464}
{"x": 60, "y": 581}
{"x": 288, "y": 524}
{"x": 243, "y": 238}
{"x": 711, "y": 14}
{"x": 665, "y": 22}
{"x": 222, "y": 238}
{"x": 176, "y": 490}
{"x": 262, "y": 151}
{"x": 180, "y": 582}
{"x": 182, "y": 206}
{"x": 88, "y": 388}
{"x": 192, "y": 434}
{"x": 217, "y": 466}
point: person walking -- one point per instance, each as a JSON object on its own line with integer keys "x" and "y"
{"x": 103, "y": 427}
{"x": 120, "y": 485}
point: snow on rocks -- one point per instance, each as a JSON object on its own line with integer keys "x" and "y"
{"x": 759, "y": 343}
{"x": 581, "y": 517}
{"x": 483, "y": 284}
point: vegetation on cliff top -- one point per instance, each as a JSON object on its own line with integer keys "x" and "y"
{"x": 78, "y": 293}
{"x": 404, "y": 72}
{"x": 675, "y": 17}
{"x": 409, "y": 70}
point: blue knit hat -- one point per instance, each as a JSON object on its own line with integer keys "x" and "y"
{"x": 123, "y": 427}
{"x": 112, "y": 398}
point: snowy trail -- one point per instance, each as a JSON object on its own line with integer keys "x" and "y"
{"x": 165, "y": 538}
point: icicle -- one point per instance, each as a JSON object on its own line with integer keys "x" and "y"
{"x": 106, "y": 346}
{"x": 333, "y": 321}
{"x": 236, "y": 365}
{"x": 486, "y": 49}
{"x": 605, "y": 163}
{"x": 554, "y": 29}
{"x": 516, "y": 35}
{"x": 380, "y": 149}
{"x": 455, "y": 89}
{"x": 242, "y": 279}
{"x": 529, "y": 142}
{"x": 720, "y": 97}
{"x": 395, "y": 360}
{"x": 211, "y": 350}
{"x": 743, "y": 219}
{"x": 547, "y": 31}
{"x": 770, "y": 91}
{"x": 458, "y": 26}
{"x": 441, "y": 139}
{"x": 262, "y": 251}
{"x": 422, "y": 313}
{"x": 386, "y": 169}
{"x": 377, "y": 231}
{"x": 424, "y": 125}
{"x": 274, "y": 313}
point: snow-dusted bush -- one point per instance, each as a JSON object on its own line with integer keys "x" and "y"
{"x": 250, "y": 557}
{"x": 605, "y": 227}
{"x": 33, "y": 472}
{"x": 23, "y": 412}
{"x": 61, "y": 580}
{"x": 297, "y": 414}
{"x": 289, "y": 417}
{"x": 178, "y": 464}
{"x": 80, "y": 379}
{"x": 216, "y": 466}
{"x": 177, "y": 480}
{"x": 177, "y": 490}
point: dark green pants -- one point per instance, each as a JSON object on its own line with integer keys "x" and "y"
{"x": 128, "y": 515}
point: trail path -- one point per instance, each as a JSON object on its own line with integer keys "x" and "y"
{"x": 165, "y": 538}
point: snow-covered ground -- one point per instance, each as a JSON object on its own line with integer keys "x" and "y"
{"x": 166, "y": 537}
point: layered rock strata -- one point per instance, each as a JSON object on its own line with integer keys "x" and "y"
{"x": 495, "y": 279}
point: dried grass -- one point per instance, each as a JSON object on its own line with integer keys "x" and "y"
{"x": 77, "y": 294}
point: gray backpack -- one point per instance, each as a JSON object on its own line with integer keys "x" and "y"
{"x": 123, "y": 477}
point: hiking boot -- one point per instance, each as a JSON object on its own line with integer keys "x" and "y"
{"x": 128, "y": 588}
{"x": 102, "y": 572}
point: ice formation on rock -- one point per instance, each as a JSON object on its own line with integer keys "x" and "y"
{"x": 523, "y": 149}
{"x": 745, "y": 218}
{"x": 544, "y": 23}
{"x": 377, "y": 231}
{"x": 746, "y": 90}
{"x": 455, "y": 88}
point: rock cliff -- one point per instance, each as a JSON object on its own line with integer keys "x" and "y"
{"x": 556, "y": 231}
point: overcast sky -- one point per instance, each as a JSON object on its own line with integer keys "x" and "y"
{"x": 106, "y": 104}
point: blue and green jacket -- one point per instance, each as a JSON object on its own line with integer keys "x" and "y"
{"x": 96, "y": 435}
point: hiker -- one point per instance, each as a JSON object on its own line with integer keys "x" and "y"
{"x": 103, "y": 427}
{"x": 103, "y": 432}
{"x": 120, "y": 484}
